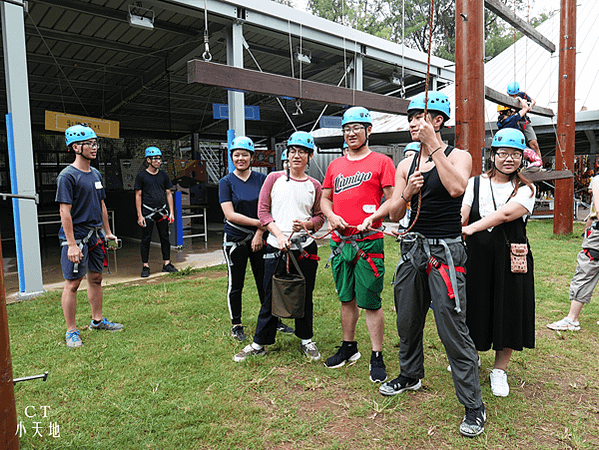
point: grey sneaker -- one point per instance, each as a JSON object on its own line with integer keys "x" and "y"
{"x": 285, "y": 329}
{"x": 474, "y": 421}
{"x": 399, "y": 385}
{"x": 106, "y": 325}
{"x": 237, "y": 333}
{"x": 311, "y": 351}
{"x": 73, "y": 339}
{"x": 248, "y": 351}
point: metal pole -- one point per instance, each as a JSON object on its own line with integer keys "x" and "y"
{"x": 566, "y": 119}
{"x": 470, "y": 80}
{"x": 9, "y": 440}
{"x": 22, "y": 168}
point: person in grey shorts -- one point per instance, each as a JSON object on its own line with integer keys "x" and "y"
{"x": 586, "y": 275}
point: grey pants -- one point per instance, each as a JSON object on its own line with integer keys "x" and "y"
{"x": 414, "y": 290}
{"x": 586, "y": 275}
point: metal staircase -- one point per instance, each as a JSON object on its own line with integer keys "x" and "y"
{"x": 210, "y": 152}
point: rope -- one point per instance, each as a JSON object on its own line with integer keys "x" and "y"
{"x": 206, "y": 55}
{"x": 247, "y": 47}
{"x": 57, "y": 65}
{"x": 300, "y": 63}
{"x": 326, "y": 106}
{"x": 428, "y": 71}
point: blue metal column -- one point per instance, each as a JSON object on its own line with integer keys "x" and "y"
{"x": 17, "y": 93}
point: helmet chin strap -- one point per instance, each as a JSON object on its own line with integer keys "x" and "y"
{"x": 364, "y": 143}
{"x": 82, "y": 155}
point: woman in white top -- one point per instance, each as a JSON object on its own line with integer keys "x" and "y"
{"x": 285, "y": 206}
{"x": 501, "y": 304}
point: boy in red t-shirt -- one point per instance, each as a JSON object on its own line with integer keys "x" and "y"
{"x": 352, "y": 191}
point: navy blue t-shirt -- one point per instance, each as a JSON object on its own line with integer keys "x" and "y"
{"x": 153, "y": 188}
{"x": 84, "y": 191}
{"x": 244, "y": 196}
{"x": 510, "y": 122}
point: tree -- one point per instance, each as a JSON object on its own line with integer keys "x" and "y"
{"x": 383, "y": 18}
{"x": 289, "y": 3}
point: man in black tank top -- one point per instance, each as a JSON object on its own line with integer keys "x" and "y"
{"x": 433, "y": 259}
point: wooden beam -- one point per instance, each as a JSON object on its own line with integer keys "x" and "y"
{"x": 265, "y": 83}
{"x": 504, "y": 99}
{"x": 547, "y": 176}
{"x": 510, "y": 17}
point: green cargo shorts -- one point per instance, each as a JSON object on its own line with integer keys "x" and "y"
{"x": 359, "y": 280}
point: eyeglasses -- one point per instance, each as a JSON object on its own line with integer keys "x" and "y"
{"x": 90, "y": 144}
{"x": 505, "y": 155}
{"x": 299, "y": 151}
{"x": 355, "y": 130}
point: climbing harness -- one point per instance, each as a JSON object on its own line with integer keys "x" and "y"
{"x": 81, "y": 243}
{"x": 232, "y": 245}
{"x": 161, "y": 212}
{"x": 368, "y": 257}
{"x": 450, "y": 278}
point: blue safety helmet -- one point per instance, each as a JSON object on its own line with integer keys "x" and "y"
{"x": 412, "y": 147}
{"x": 78, "y": 133}
{"x": 437, "y": 101}
{"x": 284, "y": 156}
{"x": 153, "y": 151}
{"x": 356, "y": 114}
{"x": 509, "y": 138}
{"x": 513, "y": 88}
{"x": 301, "y": 139}
{"x": 242, "y": 143}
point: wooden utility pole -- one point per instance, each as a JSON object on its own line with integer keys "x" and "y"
{"x": 470, "y": 80}
{"x": 566, "y": 119}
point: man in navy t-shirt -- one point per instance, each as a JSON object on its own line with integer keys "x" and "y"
{"x": 84, "y": 231}
{"x": 154, "y": 204}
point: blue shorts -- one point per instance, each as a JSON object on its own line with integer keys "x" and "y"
{"x": 92, "y": 260}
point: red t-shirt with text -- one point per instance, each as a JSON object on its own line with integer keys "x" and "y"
{"x": 357, "y": 188}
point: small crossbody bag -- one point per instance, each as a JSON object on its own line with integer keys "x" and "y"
{"x": 518, "y": 252}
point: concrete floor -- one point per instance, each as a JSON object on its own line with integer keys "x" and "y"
{"x": 125, "y": 263}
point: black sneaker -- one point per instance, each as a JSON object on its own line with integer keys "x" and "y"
{"x": 282, "y": 328}
{"x": 237, "y": 333}
{"x": 474, "y": 421}
{"x": 169, "y": 268}
{"x": 348, "y": 352}
{"x": 378, "y": 372}
{"x": 145, "y": 272}
{"x": 399, "y": 385}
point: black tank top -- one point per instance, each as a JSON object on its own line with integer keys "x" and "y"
{"x": 440, "y": 216}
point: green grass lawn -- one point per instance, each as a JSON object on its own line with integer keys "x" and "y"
{"x": 168, "y": 380}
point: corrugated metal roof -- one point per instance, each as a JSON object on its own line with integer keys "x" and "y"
{"x": 85, "y": 59}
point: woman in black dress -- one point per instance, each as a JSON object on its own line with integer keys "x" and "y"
{"x": 501, "y": 304}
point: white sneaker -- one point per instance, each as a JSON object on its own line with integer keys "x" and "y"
{"x": 248, "y": 350}
{"x": 449, "y": 367}
{"x": 566, "y": 324}
{"x": 499, "y": 385}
